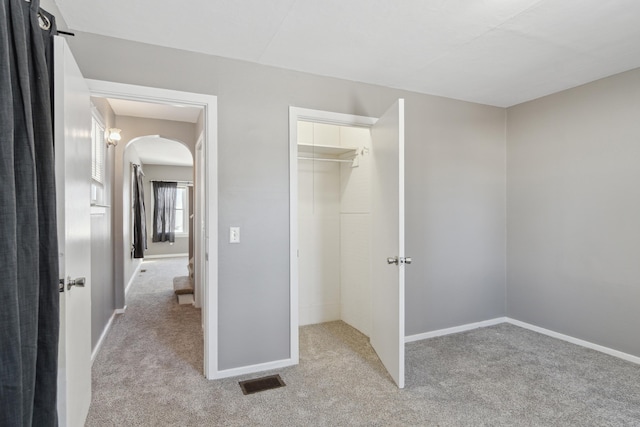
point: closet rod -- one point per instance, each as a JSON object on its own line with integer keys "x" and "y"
{"x": 325, "y": 160}
{"x": 177, "y": 181}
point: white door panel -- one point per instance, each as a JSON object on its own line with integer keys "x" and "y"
{"x": 73, "y": 178}
{"x": 387, "y": 334}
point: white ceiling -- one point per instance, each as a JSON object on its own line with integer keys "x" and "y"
{"x": 496, "y": 52}
{"x": 155, "y": 150}
{"x": 180, "y": 113}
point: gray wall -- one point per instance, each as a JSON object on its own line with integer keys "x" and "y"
{"x": 455, "y": 213}
{"x": 455, "y": 188}
{"x": 133, "y": 127}
{"x": 574, "y": 212}
{"x": 164, "y": 173}
{"x": 102, "y": 283}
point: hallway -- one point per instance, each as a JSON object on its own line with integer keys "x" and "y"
{"x": 153, "y": 337}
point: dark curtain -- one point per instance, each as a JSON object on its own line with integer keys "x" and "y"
{"x": 29, "y": 311}
{"x": 139, "y": 214}
{"x": 164, "y": 211}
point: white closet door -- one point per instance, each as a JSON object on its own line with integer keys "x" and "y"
{"x": 387, "y": 335}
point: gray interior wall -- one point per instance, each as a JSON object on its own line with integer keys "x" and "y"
{"x": 573, "y": 212}
{"x": 455, "y": 188}
{"x": 164, "y": 173}
{"x": 455, "y": 213}
{"x": 134, "y": 127}
{"x": 102, "y": 283}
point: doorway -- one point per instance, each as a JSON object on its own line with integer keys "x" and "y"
{"x": 205, "y": 209}
{"x": 372, "y": 226}
{"x": 334, "y": 224}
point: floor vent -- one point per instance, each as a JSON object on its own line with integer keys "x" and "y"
{"x": 261, "y": 384}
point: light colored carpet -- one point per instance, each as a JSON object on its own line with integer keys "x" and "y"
{"x": 149, "y": 373}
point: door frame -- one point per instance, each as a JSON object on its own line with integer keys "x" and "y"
{"x": 198, "y": 217}
{"x": 315, "y": 116}
{"x": 209, "y": 103}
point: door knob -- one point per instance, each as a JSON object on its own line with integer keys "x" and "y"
{"x": 399, "y": 260}
{"x": 79, "y": 282}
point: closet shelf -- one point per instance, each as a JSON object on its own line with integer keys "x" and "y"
{"x": 320, "y": 159}
{"x": 325, "y": 150}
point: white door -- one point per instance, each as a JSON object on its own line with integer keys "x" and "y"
{"x": 388, "y": 257}
{"x": 73, "y": 178}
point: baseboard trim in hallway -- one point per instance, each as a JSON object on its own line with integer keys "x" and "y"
{"x": 105, "y": 331}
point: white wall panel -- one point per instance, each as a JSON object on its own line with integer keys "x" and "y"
{"x": 355, "y": 270}
{"x": 319, "y": 241}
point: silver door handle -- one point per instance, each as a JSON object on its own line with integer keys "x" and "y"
{"x": 79, "y": 282}
{"x": 400, "y": 260}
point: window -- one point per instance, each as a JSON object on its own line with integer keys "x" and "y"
{"x": 182, "y": 210}
{"x": 97, "y": 149}
{"x": 170, "y": 211}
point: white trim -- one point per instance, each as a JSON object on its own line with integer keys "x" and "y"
{"x": 132, "y": 278}
{"x": 469, "y": 326}
{"x": 602, "y": 349}
{"x": 316, "y": 116}
{"x": 105, "y": 331}
{"x": 181, "y": 255}
{"x": 198, "y": 237}
{"x": 454, "y": 330}
{"x": 251, "y": 369}
{"x": 121, "y": 310}
{"x": 401, "y": 245}
{"x": 294, "y": 313}
{"x": 331, "y": 118}
{"x": 209, "y": 103}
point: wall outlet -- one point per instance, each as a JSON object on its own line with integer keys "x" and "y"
{"x": 234, "y": 234}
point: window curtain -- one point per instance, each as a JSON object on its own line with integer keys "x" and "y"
{"x": 139, "y": 214}
{"x": 29, "y": 311}
{"x": 164, "y": 211}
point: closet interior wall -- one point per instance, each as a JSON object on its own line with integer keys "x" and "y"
{"x": 334, "y": 217}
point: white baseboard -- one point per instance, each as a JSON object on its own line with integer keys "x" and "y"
{"x": 235, "y": 372}
{"x": 577, "y": 341}
{"x": 105, "y": 331}
{"x": 454, "y": 330}
{"x": 165, "y": 256}
{"x": 121, "y": 310}
{"x": 132, "y": 278}
{"x": 553, "y": 334}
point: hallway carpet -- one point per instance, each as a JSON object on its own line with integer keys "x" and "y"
{"x": 149, "y": 373}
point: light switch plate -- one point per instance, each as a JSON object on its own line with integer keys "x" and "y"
{"x": 234, "y": 234}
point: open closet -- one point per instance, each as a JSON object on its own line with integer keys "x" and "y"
{"x": 334, "y": 224}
